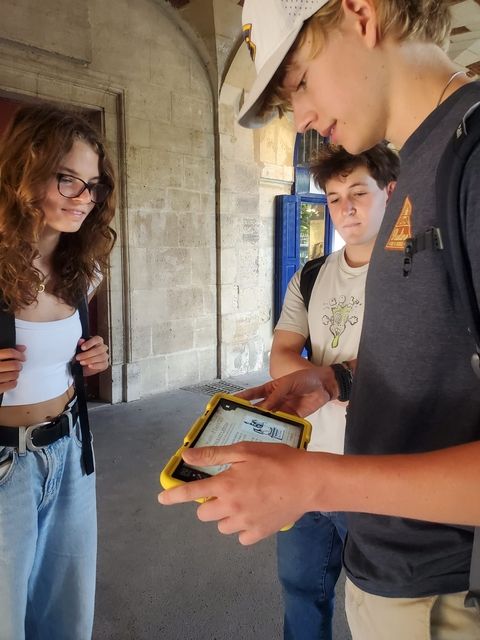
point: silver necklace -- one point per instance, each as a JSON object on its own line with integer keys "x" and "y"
{"x": 449, "y": 82}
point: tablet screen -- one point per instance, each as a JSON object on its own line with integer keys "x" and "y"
{"x": 230, "y": 423}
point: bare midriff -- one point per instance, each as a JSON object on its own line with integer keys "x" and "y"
{"x": 25, "y": 415}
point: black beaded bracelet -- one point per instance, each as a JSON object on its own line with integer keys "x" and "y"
{"x": 344, "y": 378}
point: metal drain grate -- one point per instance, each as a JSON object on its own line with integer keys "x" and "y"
{"x": 214, "y": 386}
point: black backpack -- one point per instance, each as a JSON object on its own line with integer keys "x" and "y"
{"x": 308, "y": 276}
{"x": 452, "y": 227}
{"x": 8, "y": 339}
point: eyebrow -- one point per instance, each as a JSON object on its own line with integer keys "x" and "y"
{"x": 72, "y": 172}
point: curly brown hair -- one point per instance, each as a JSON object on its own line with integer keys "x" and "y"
{"x": 331, "y": 161}
{"x": 31, "y": 150}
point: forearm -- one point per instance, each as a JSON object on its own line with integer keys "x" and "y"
{"x": 437, "y": 487}
{"x": 284, "y": 361}
{"x": 268, "y": 485}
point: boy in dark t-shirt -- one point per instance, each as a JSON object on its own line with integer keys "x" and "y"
{"x": 359, "y": 71}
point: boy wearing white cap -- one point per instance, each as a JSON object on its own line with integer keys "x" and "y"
{"x": 360, "y": 71}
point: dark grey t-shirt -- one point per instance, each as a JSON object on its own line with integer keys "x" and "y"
{"x": 415, "y": 390}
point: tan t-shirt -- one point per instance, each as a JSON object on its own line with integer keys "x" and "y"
{"x": 334, "y": 323}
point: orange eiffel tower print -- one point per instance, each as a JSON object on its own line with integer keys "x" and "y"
{"x": 402, "y": 229}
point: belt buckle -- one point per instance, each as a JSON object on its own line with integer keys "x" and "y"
{"x": 29, "y": 436}
{"x": 25, "y": 435}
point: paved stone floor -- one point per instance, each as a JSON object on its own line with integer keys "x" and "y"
{"x": 162, "y": 574}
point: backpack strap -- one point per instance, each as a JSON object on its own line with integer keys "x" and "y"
{"x": 472, "y": 599}
{"x": 79, "y": 381}
{"x": 308, "y": 275}
{"x": 8, "y": 338}
{"x": 453, "y": 227}
{"x": 453, "y": 224}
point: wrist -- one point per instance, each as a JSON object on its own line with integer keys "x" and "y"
{"x": 329, "y": 382}
{"x": 322, "y": 495}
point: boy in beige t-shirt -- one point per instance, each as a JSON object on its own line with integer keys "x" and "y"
{"x": 357, "y": 187}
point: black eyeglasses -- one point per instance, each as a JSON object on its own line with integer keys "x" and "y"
{"x": 72, "y": 187}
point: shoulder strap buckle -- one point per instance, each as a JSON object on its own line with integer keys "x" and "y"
{"x": 475, "y": 362}
{"x": 430, "y": 239}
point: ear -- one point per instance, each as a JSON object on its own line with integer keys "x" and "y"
{"x": 362, "y": 15}
{"x": 390, "y": 188}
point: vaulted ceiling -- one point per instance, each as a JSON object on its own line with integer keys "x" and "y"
{"x": 217, "y": 23}
{"x": 465, "y": 37}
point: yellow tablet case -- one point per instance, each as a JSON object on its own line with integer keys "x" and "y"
{"x": 166, "y": 476}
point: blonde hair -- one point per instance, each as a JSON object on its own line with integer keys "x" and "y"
{"x": 421, "y": 20}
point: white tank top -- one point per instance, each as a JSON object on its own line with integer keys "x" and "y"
{"x": 46, "y": 370}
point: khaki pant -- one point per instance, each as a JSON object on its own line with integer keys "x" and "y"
{"x": 434, "y": 618}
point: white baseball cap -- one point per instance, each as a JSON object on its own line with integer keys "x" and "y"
{"x": 270, "y": 28}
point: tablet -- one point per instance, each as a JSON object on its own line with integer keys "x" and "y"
{"x": 226, "y": 420}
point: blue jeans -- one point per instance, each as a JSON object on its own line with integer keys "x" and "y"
{"x": 309, "y": 557}
{"x": 48, "y": 543}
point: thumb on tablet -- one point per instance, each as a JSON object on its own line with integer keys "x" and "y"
{"x": 212, "y": 456}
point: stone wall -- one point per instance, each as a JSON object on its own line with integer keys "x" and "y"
{"x": 256, "y": 167}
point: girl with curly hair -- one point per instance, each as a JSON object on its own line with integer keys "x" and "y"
{"x": 56, "y": 204}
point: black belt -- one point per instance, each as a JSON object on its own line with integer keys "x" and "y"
{"x": 38, "y": 436}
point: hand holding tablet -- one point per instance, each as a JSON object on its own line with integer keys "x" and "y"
{"x": 227, "y": 420}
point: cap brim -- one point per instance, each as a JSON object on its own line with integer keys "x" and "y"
{"x": 249, "y": 116}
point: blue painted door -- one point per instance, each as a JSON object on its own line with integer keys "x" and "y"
{"x": 303, "y": 231}
{"x": 287, "y": 246}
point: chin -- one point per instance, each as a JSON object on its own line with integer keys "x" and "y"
{"x": 352, "y": 147}
{"x": 68, "y": 228}
{"x": 354, "y": 240}
{"x": 355, "y": 147}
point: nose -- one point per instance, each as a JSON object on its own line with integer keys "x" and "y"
{"x": 85, "y": 196}
{"x": 347, "y": 207}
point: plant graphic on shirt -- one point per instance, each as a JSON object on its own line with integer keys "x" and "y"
{"x": 340, "y": 317}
